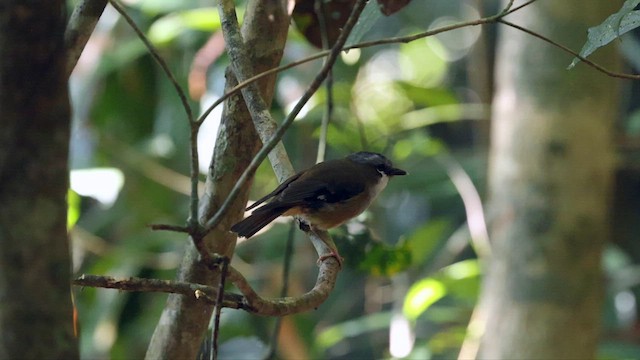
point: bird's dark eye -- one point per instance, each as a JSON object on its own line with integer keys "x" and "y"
{"x": 381, "y": 167}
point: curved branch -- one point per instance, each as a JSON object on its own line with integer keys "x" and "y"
{"x": 327, "y": 275}
{"x": 249, "y": 301}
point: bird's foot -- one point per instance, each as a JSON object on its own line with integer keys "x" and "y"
{"x": 334, "y": 254}
{"x": 306, "y": 227}
{"x": 303, "y": 225}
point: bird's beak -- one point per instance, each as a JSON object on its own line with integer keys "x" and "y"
{"x": 395, "y": 172}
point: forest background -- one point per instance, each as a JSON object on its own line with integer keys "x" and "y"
{"x": 493, "y": 127}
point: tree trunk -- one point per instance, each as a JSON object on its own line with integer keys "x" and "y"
{"x": 185, "y": 320}
{"x": 550, "y": 176}
{"x": 35, "y": 267}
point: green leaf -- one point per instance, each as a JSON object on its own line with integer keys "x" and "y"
{"x": 369, "y": 16}
{"x": 444, "y": 113}
{"x": 421, "y": 62}
{"x": 167, "y": 28}
{"x": 428, "y": 96}
{"x": 117, "y": 58}
{"x": 155, "y": 7}
{"x": 462, "y": 279}
{"x": 385, "y": 260}
{"x": 362, "y": 325}
{"x": 421, "y": 296}
{"x": 424, "y": 241}
{"x": 625, "y": 20}
{"x": 73, "y": 212}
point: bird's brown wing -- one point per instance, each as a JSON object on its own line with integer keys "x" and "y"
{"x": 275, "y": 192}
{"x": 315, "y": 193}
{"x": 309, "y": 190}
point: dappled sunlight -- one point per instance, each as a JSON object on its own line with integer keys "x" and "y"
{"x": 102, "y": 184}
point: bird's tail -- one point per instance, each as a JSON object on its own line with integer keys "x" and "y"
{"x": 257, "y": 220}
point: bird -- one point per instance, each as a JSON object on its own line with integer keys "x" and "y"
{"x": 324, "y": 196}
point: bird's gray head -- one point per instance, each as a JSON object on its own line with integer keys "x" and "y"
{"x": 381, "y": 163}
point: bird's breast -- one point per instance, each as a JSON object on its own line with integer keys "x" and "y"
{"x": 336, "y": 214}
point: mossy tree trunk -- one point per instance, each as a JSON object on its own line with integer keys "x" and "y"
{"x": 36, "y": 319}
{"x": 184, "y": 321}
{"x": 550, "y": 184}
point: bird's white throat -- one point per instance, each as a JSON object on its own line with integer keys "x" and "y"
{"x": 382, "y": 183}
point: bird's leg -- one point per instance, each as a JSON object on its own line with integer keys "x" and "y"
{"x": 303, "y": 225}
{"x": 306, "y": 227}
{"x": 333, "y": 254}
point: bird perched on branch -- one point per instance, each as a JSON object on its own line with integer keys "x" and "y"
{"x": 324, "y": 196}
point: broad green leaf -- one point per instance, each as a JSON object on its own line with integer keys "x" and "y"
{"x": 428, "y": 96}
{"x": 385, "y": 260}
{"x": 367, "y": 19}
{"x": 424, "y": 241}
{"x": 625, "y": 20}
{"x": 421, "y": 62}
{"x": 362, "y": 325}
{"x": 444, "y": 113}
{"x": 417, "y": 143}
{"x": 73, "y": 212}
{"x": 421, "y": 296}
{"x": 462, "y": 279}
{"x": 117, "y": 58}
{"x": 167, "y": 28}
{"x": 156, "y": 7}
{"x": 462, "y": 269}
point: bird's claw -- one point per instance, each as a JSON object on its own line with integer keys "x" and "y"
{"x": 334, "y": 254}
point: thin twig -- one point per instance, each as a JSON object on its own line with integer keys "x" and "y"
{"x": 241, "y": 64}
{"x": 321, "y": 12}
{"x": 241, "y": 85}
{"x": 250, "y": 302}
{"x": 405, "y": 39}
{"x": 219, "y": 299}
{"x": 156, "y": 56}
{"x": 568, "y": 50}
{"x": 472, "y": 204}
{"x": 174, "y": 228}
{"x": 194, "y": 171}
{"x": 263, "y": 122}
{"x": 156, "y": 285}
{"x": 508, "y": 10}
{"x": 321, "y": 54}
{"x": 81, "y": 23}
{"x": 508, "y": 6}
{"x": 288, "y": 256}
{"x": 326, "y": 119}
{"x": 267, "y": 147}
{"x": 194, "y": 125}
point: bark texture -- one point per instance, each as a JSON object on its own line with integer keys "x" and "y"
{"x": 36, "y": 319}
{"x": 185, "y": 320}
{"x": 550, "y": 184}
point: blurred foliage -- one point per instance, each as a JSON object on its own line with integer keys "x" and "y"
{"x": 408, "y": 258}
